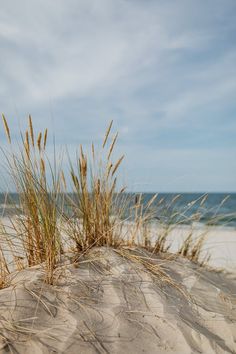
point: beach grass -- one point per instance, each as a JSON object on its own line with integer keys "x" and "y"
{"x": 95, "y": 268}
{"x": 38, "y": 185}
{"x": 98, "y": 213}
{"x": 4, "y": 269}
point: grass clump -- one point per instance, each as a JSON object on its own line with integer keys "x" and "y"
{"x": 38, "y": 186}
{"x": 190, "y": 222}
{"x": 97, "y": 204}
{"x": 99, "y": 212}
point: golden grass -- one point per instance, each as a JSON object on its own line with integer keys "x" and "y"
{"x": 189, "y": 248}
{"x": 96, "y": 211}
{"x": 38, "y": 187}
{"x": 148, "y": 263}
{"x": 4, "y": 270}
{"x": 101, "y": 213}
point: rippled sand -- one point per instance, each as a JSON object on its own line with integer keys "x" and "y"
{"x": 106, "y": 303}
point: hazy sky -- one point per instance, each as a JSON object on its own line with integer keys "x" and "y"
{"x": 163, "y": 70}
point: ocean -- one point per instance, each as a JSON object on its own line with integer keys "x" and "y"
{"x": 181, "y": 208}
{"x": 208, "y": 208}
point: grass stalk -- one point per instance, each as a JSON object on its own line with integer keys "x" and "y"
{"x": 38, "y": 186}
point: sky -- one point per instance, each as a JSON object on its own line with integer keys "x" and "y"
{"x": 163, "y": 70}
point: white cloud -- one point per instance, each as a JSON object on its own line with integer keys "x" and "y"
{"x": 150, "y": 65}
{"x": 79, "y": 47}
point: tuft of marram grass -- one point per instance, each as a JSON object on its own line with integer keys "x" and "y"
{"x": 169, "y": 218}
{"x": 38, "y": 187}
{"x": 96, "y": 214}
{"x": 100, "y": 207}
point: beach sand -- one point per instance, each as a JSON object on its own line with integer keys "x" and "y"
{"x": 219, "y": 244}
{"x": 106, "y": 303}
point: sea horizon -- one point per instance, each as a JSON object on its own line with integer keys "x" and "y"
{"x": 217, "y": 208}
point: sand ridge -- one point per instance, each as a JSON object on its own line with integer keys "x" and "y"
{"x": 108, "y": 304}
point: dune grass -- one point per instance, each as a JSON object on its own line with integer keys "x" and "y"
{"x": 4, "y": 269}
{"x": 191, "y": 247}
{"x": 97, "y": 204}
{"x": 99, "y": 211}
{"x": 98, "y": 214}
{"x": 38, "y": 185}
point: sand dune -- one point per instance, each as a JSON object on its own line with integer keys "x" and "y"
{"x": 219, "y": 243}
{"x": 108, "y": 304}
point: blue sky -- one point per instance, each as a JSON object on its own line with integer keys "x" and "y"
{"x": 164, "y": 71}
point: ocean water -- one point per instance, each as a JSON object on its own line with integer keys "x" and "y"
{"x": 184, "y": 208}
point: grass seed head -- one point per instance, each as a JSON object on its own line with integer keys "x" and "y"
{"x": 7, "y": 130}
{"x": 112, "y": 146}
{"x": 117, "y": 165}
{"x": 26, "y": 144}
{"x": 31, "y": 129}
{"x": 45, "y": 138}
{"x": 107, "y": 134}
{"x": 39, "y": 141}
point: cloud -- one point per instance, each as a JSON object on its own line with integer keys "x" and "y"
{"x": 164, "y": 71}
{"x": 79, "y": 47}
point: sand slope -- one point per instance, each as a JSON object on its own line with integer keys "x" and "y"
{"x": 107, "y": 304}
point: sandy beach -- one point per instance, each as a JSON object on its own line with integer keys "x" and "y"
{"x": 84, "y": 278}
{"x": 105, "y": 302}
{"x": 219, "y": 244}
{"x": 219, "y": 241}
{"x": 117, "y": 177}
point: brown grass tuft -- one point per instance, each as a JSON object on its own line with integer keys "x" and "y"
{"x": 38, "y": 187}
{"x": 99, "y": 212}
{"x": 96, "y": 214}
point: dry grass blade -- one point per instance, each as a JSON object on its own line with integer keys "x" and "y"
{"x": 112, "y": 146}
{"x": 4, "y": 267}
{"x": 63, "y": 180}
{"x": 26, "y": 144}
{"x": 117, "y": 165}
{"x": 31, "y": 130}
{"x": 107, "y": 134}
{"x": 39, "y": 141}
{"x": 109, "y": 167}
{"x": 45, "y": 138}
{"x": 153, "y": 268}
{"x": 4, "y": 270}
{"x": 7, "y": 130}
{"x": 151, "y": 201}
{"x": 93, "y": 151}
{"x": 203, "y": 200}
